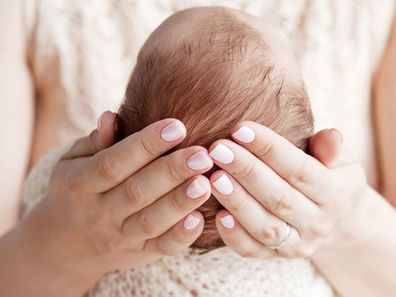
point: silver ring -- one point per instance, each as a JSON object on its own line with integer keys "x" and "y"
{"x": 279, "y": 244}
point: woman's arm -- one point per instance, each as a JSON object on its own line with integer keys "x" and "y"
{"x": 360, "y": 258}
{"x": 16, "y": 112}
{"x": 385, "y": 118}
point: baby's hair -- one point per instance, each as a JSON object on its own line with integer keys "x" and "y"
{"x": 219, "y": 74}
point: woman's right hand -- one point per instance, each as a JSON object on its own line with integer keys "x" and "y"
{"x": 120, "y": 206}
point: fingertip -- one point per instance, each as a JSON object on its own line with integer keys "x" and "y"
{"x": 172, "y": 130}
{"x": 326, "y": 146}
{"x": 225, "y": 220}
{"x": 193, "y": 221}
{"x": 222, "y": 183}
{"x": 106, "y": 129}
{"x": 198, "y": 187}
{"x": 243, "y": 132}
{"x": 216, "y": 175}
{"x": 105, "y": 119}
{"x": 337, "y": 136}
{"x": 213, "y": 145}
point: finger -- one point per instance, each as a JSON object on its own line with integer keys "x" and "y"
{"x": 100, "y": 138}
{"x": 111, "y": 166}
{"x": 265, "y": 185}
{"x": 158, "y": 178}
{"x": 179, "y": 237}
{"x": 161, "y": 215}
{"x": 292, "y": 246}
{"x": 238, "y": 239}
{"x": 302, "y": 171}
{"x": 265, "y": 226}
{"x": 326, "y": 146}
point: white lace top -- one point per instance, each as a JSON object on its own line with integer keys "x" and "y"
{"x": 81, "y": 54}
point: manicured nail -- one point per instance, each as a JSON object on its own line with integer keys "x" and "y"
{"x": 191, "y": 222}
{"x": 224, "y": 185}
{"x": 222, "y": 154}
{"x": 195, "y": 190}
{"x": 228, "y": 221}
{"x": 244, "y": 134}
{"x": 199, "y": 161}
{"x": 173, "y": 131}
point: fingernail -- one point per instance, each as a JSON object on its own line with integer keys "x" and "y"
{"x": 199, "y": 161}
{"x": 195, "y": 190}
{"x": 191, "y": 222}
{"x": 99, "y": 123}
{"x": 228, "y": 221}
{"x": 224, "y": 185}
{"x": 222, "y": 154}
{"x": 244, "y": 134}
{"x": 173, "y": 131}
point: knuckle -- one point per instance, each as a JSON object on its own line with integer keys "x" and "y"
{"x": 265, "y": 151}
{"x": 146, "y": 225}
{"x": 238, "y": 205}
{"x": 148, "y": 148}
{"x": 300, "y": 176}
{"x": 283, "y": 202}
{"x": 322, "y": 191}
{"x": 135, "y": 194}
{"x": 106, "y": 168}
{"x": 173, "y": 170}
{"x": 271, "y": 234}
{"x": 177, "y": 205}
{"x": 246, "y": 170}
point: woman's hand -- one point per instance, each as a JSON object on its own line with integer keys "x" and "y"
{"x": 110, "y": 207}
{"x": 124, "y": 205}
{"x": 268, "y": 184}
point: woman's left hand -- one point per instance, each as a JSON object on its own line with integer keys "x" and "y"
{"x": 279, "y": 200}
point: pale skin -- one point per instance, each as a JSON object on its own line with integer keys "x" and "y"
{"x": 339, "y": 229}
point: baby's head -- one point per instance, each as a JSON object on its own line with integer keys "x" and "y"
{"x": 212, "y": 68}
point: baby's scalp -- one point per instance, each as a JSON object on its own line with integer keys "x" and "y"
{"x": 210, "y": 68}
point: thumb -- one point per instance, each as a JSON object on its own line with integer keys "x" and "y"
{"x": 100, "y": 138}
{"x": 326, "y": 146}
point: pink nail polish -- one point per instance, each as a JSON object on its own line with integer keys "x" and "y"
{"x": 191, "y": 222}
{"x": 223, "y": 184}
{"x": 222, "y": 154}
{"x": 199, "y": 161}
{"x": 228, "y": 221}
{"x": 173, "y": 131}
{"x": 195, "y": 190}
{"x": 244, "y": 134}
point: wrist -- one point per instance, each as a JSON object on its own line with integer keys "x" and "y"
{"x": 37, "y": 261}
